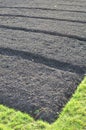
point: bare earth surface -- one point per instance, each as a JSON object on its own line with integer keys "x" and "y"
{"x": 42, "y": 54}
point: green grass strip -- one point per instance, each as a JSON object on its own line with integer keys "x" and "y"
{"x": 73, "y": 116}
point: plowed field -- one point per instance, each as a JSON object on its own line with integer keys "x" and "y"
{"x": 42, "y": 54}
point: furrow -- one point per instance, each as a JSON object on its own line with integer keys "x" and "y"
{"x": 44, "y": 60}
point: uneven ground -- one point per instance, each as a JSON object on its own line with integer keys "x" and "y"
{"x": 42, "y": 54}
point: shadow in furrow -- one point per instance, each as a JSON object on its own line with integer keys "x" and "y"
{"x": 44, "y": 60}
{"x": 45, "y": 9}
{"x": 54, "y": 33}
{"x": 44, "y": 18}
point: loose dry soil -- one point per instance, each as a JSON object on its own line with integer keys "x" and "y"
{"x": 42, "y": 54}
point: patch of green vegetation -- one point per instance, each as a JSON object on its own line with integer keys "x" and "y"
{"x": 73, "y": 116}
{"x": 16, "y": 120}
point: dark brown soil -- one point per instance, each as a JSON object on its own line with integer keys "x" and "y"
{"x": 42, "y": 54}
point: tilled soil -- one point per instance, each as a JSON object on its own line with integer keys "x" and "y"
{"x": 42, "y": 54}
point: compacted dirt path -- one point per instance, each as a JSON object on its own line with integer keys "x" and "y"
{"x": 42, "y": 54}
